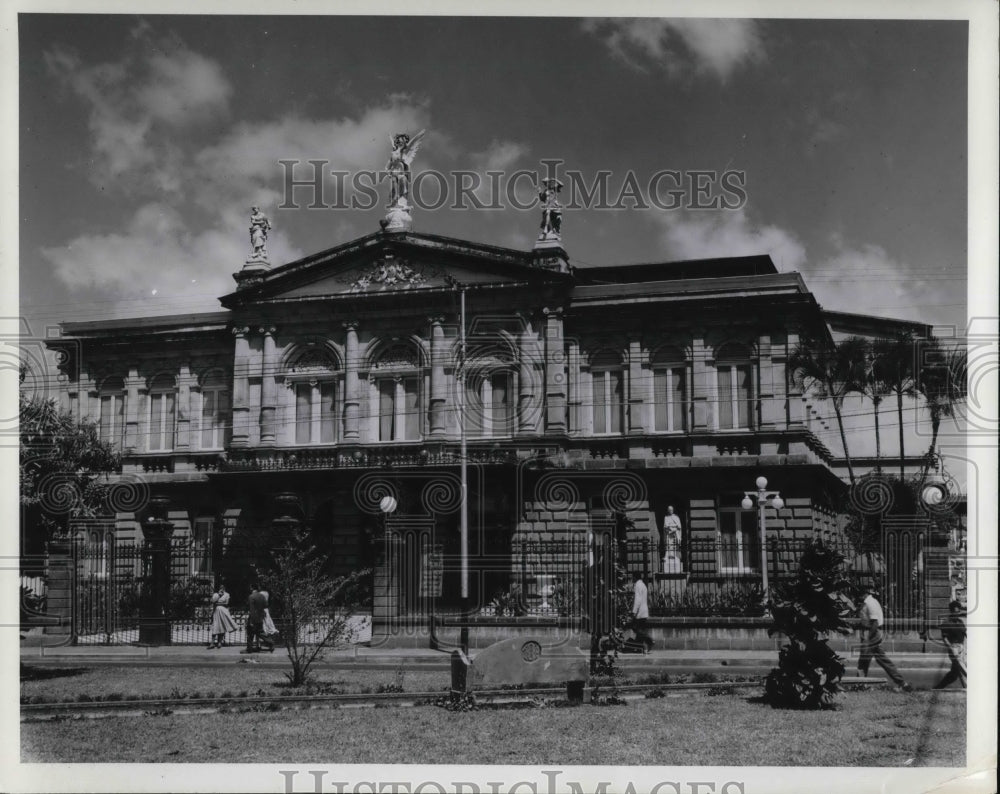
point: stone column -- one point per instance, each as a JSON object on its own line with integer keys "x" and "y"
{"x": 575, "y": 420}
{"x": 241, "y": 388}
{"x": 555, "y": 372}
{"x": 132, "y": 434}
{"x": 701, "y": 392}
{"x": 636, "y": 387}
{"x": 439, "y": 387}
{"x": 527, "y": 398}
{"x": 184, "y": 382}
{"x": 268, "y": 389}
{"x": 352, "y": 387}
{"x": 154, "y": 620}
{"x": 399, "y": 411}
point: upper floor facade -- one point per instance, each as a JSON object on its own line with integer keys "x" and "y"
{"x": 384, "y": 350}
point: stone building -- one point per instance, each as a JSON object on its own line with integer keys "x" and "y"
{"x": 592, "y": 398}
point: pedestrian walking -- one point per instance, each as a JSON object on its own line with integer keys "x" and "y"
{"x": 640, "y": 613}
{"x": 222, "y": 621}
{"x": 256, "y": 607}
{"x": 872, "y": 621}
{"x": 953, "y": 634}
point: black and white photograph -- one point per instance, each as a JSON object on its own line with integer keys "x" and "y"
{"x": 528, "y": 399}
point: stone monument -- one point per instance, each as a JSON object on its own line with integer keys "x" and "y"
{"x": 403, "y": 148}
{"x": 548, "y": 251}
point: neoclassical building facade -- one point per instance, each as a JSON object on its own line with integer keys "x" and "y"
{"x": 584, "y": 394}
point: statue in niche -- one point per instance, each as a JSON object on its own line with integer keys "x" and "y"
{"x": 259, "y": 227}
{"x": 548, "y": 197}
{"x": 403, "y": 149}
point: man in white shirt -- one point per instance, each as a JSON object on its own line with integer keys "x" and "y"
{"x": 871, "y": 641}
{"x": 640, "y": 613}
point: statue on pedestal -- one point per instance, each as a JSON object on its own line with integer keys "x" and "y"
{"x": 403, "y": 148}
{"x": 259, "y": 227}
{"x": 672, "y": 542}
{"x": 551, "y": 209}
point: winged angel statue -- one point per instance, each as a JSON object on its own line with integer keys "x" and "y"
{"x": 404, "y": 149}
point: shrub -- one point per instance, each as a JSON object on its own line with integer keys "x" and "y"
{"x": 807, "y": 611}
{"x": 310, "y": 609}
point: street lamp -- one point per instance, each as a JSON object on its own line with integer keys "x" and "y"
{"x": 762, "y": 495}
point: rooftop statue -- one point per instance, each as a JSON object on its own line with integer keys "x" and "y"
{"x": 259, "y": 227}
{"x": 551, "y": 209}
{"x": 403, "y": 150}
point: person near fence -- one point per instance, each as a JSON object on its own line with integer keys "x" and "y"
{"x": 222, "y": 621}
{"x": 953, "y": 634}
{"x": 256, "y": 607}
{"x": 640, "y": 613}
{"x": 270, "y": 630}
{"x": 872, "y": 621}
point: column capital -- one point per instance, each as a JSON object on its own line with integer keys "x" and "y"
{"x": 555, "y": 312}
{"x": 350, "y": 325}
{"x": 240, "y": 330}
{"x": 436, "y": 319}
{"x": 267, "y": 330}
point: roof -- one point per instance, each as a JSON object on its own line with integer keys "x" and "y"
{"x": 870, "y": 325}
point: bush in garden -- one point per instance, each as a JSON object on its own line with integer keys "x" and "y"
{"x": 310, "y": 609}
{"x": 807, "y": 611}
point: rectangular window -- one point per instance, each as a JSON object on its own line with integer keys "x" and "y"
{"x": 386, "y": 409}
{"x": 608, "y": 401}
{"x": 112, "y": 418}
{"x": 738, "y": 547}
{"x": 303, "y": 413}
{"x": 161, "y": 421}
{"x": 201, "y": 547}
{"x": 735, "y": 396}
{"x": 501, "y": 407}
{"x": 669, "y": 400}
{"x": 411, "y": 406}
{"x": 214, "y": 418}
{"x": 328, "y": 414}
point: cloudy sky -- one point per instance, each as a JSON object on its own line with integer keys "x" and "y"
{"x": 145, "y": 140}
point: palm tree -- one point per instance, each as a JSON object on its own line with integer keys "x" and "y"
{"x": 943, "y": 383}
{"x": 829, "y": 368}
{"x": 870, "y": 381}
{"x": 896, "y": 366}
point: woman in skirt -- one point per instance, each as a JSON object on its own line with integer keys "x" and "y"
{"x": 222, "y": 621}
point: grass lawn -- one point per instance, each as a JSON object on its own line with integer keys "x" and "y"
{"x": 872, "y": 728}
{"x": 50, "y": 685}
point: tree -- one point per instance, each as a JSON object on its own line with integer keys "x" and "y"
{"x": 896, "y": 368}
{"x": 943, "y": 383}
{"x": 311, "y": 610}
{"x": 831, "y": 369}
{"x": 869, "y": 381}
{"x": 807, "y": 611}
{"x": 63, "y": 468}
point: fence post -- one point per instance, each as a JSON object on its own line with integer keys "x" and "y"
{"x": 154, "y": 622}
{"x": 60, "y": 573}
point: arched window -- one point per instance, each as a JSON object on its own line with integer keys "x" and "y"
{"x": 112, "y": 418}
{"x": 670, "y": 398}
{"x": 313, "y": 377}
{"x": 734, "y": 387}
{"x": 608, "y": 379}
{"x": 162, "y": 413}
{"x": 489, "y": 393}
{"x": 395, "y": 376}
{"x": 216, "y": 421}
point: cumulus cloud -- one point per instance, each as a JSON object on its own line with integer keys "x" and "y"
{"x": 137, "y": 105}
{"x": 714, "y": 47}
{"x": 157, "y": 257}
{"x": 865, "y": 278}
{"x": 702, "y": 234}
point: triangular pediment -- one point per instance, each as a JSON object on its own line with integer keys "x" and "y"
{"x": 381, "y": 265}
